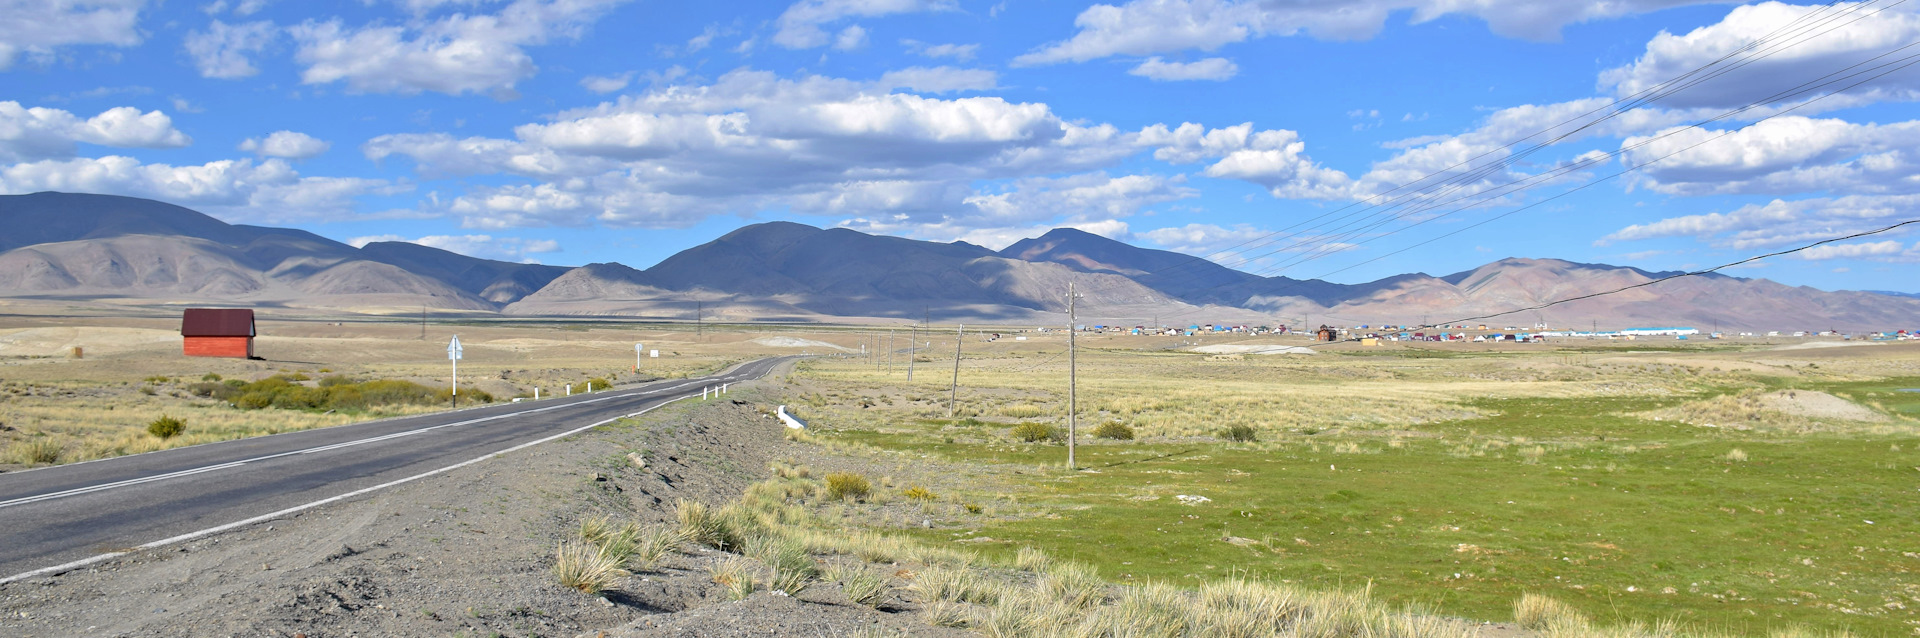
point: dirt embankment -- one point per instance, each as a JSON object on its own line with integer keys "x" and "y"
{"x": 466, "y": 552}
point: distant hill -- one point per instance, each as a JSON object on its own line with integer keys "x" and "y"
{"x": 63, "y": 245}
{"x": 104, "y": 246}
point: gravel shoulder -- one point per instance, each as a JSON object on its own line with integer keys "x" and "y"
{"x": 467, "y": 552}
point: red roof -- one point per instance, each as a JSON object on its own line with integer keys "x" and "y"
{"x": 217, "y": 322}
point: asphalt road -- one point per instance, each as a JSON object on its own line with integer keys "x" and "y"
{"x": 58, "y": 515}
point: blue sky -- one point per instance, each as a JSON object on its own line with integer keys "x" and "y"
{"x": 577, "y": 131}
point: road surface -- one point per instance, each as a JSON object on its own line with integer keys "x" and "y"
{"x": 55, "y": 517}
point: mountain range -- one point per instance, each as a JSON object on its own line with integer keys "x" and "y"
{"x": 79, "y": 246}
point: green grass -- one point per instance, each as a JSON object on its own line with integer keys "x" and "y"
{"x": 1467, "y": 523}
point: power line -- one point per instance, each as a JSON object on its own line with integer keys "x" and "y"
{"x": 1421, "y": 199}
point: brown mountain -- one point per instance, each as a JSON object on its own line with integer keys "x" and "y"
{"x": 102, "y": 246}
{"x": 789, "y": 270}
{"x": 94, "y": 246}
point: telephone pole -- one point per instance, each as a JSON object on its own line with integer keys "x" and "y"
{"x": 699, "y": 316}
{"x": 889, "y": 351}
{"x": 1073, "y": 383}
{"x": 953, "y": 392}
{"x": 913, "y": 343}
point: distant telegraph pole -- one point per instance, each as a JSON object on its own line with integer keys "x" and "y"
{"x": 699, "y": 317}
{"x": 953, "y": 392}
{"x": 1073, "y": 371}
{"x": 913, "y": 344}
{"x": 889, "y": 351}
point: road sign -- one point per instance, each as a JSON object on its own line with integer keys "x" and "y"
{"x": 653, "y": 354}
{"x": 454, "y": 351}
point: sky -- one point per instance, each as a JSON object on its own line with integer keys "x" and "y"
{"x": 1339, "y": 139}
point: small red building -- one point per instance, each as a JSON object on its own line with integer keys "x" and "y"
{"x": 218, "y": 332}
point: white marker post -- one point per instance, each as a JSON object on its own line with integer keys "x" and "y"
{"x": 454, "y": 352}
{"x": 639, "y": 350}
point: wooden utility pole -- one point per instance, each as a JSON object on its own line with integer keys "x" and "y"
{"x": 953, "y": 392}
{"x": 889, "y": 351}
{"x": 913, "y": 343}
{"x": 1073, "y": 370}
{"x": 699, "y": 316}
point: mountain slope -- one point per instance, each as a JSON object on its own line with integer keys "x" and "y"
{"x": 78, "y": 245}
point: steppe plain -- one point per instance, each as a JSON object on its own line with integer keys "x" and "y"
{"x": 1735, "y": 487}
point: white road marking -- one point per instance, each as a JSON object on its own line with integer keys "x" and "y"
{"x": 66, "y": 567}
{"x": 332, "y": 446}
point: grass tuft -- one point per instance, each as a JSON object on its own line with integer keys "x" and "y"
{"x": 1114, "y": 430}
{"x": 1540, "y": 613}
{"x": 736, "y": 575}
{"x": 588, "y": 569}
{"x": 862, "y": 585}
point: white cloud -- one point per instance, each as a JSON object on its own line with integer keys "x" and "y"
{"x": 455, "y": 55}
{"x": 482, "y": 246}
{"x": 1148, "y": 27}
{"x": 1852, "y": 251}
{"x": 287, "y": 144}
{"x": 1787, "y": 154}
{"x": 1203, "y": 239}
{"x": 1089, "y": 196}
{"x": 850, "y": 38}
{"x": 800, "y": 26}
{"x": 961, "y": 52}
{"x": 1215, "y": 69}
{"x": 38, "y": 27}
{"x": 699, "y": 42}
{"x": 1868, "y": 30}
{"x": 223, "y": 50}
{"x": 270, "y": 191}
{"x": 675, "y": 154}
{"x": 943, "y": 79}
{"x": 606, "y": 83}
{"x": 1274, "y": 158}
{"x": 40, "y": 133}
{"x": 1779, "y": 222}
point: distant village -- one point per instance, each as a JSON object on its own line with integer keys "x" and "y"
{"x": 1475, "y": 333}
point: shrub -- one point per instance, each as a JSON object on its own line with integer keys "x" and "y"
{"x": 1022, "y": 411}
{"x": 330, "y": 381}
{"x": 918, "y": 493}
{"x": 1114, "y": 430}
{"x": 210, "y": 377}
{"x": 166, "y": 427}
{"x": 586, "y": 568}
{"x": 847, "y": 485}
{"x": 1736, "y": 455}
{"x": 1239, "y": 434}
{"x": 1033, "y": 432}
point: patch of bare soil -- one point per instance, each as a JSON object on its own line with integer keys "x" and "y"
{"x": 466, "y": 552}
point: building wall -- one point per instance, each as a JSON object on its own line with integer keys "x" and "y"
{"x": 238, "y": 347}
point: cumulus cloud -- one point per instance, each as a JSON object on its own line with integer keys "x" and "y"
{"x": 1778, "y": 222}
{"x": 961, "y": 52}
{"x": 482, "y": 246}
{"x": 942, "y": 79}
{"x": 1275, "y": 159}
{"x": 224, "y": 50}
{"x": 242, "y": 190}
{"x": 1215, "y": 69}
{"x": 1203, "y": 239}
{"x": 1148, "y": 27}
{"x": 287, "y": 144}
{"x": 1782, "y": 155}
{"x": 38, "y": 28}
{"x": 675, "y": 154}
{"x": 41, "y": 133}
{"x": 1859, "y": 32}
{"x": 850, "y": 38}
{"x": 455, "y": 55}
{"x": 801, "y": 26}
